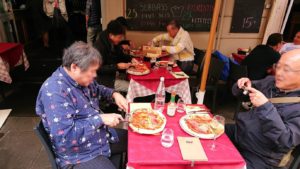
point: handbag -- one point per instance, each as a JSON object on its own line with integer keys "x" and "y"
{"x": 59, "y": 20}
{"x": 50, "y": 5}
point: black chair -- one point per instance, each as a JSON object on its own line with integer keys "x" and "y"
{"x": 214, "y": 73}
{"x": 2, "y": 91}
{"x": 44, "y": 138}
{"x": 198, "y": 62}
{"x": 116, "y": 159}
{"x": 236, "y": 72}
{"x": 295, "y": 164}
{"x": 197, "y": 71}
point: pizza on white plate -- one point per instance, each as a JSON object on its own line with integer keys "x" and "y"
{"x": 139, "y": 69}
{"x": 147, "y": 121}
{"x": 137, "y": 53}
{"x": 201, "y": 125}
{"x": 152, "y": 55}
{"x": 162, "y": 63}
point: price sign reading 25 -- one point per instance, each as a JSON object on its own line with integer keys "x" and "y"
{"x": 132, "y": 13}
{"x": 248, "y": 22}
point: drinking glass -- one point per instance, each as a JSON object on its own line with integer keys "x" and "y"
{"x": 180, "y": 106}
{"x": 217, "y": 122}
{"x": 126, "y": 121}
{"x": 153, "y": 62}
{"x": 171, "y": 64}
{"x": 142, "y": 59}
{"x": 167, "y": 138}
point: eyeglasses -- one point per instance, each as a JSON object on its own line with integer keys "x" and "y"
{"x": 285, "y": 69}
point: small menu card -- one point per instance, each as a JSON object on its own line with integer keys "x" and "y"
{"x": 135, "y": 106}
{"x": 191, "y": 149}
{"x": 179, "y": 75}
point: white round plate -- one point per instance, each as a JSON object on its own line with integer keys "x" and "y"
{"x": 145, "y": 131}
{"x": 184, "y": 126}
{"x": 129, "y": 71}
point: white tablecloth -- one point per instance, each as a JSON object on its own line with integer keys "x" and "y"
{"x": 182, "y": 89}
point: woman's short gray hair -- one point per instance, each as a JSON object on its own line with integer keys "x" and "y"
{"x": 81, "y": 54}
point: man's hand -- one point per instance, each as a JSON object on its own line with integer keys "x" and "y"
{"x": 123, "y": 65}
{"x": 257, "y": 98}
{"x": 244, "y": 82}
{"x": 120, "y": 101}
{"x": 111, "y": 119}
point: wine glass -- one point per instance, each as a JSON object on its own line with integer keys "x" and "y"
{"x": 142, "y": 58}
{"x": 126, "y": 121}
{"x": 171, "y": 63}
{"x": 167, "y": 138}
{"x": 217, "y": 124}
{"x": 153, "y": 62}
{"x": 180, "y": 106}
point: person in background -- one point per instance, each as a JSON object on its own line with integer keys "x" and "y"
{"x": 41, "y": 22}
{"x": 76, "y": 12}
{"x": 125, "y": 44}
{"x": 68, "y": 104}
{"x": 290, "y": 46}
{"x": 268, "y": 131}
{"x": 179, "y": 44}
{"x": 93, "y": 17}
{"x": 115, "y": 61}
{"x": 262, "y": 57}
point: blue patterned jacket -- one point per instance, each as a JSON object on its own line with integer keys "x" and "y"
{"x": 71, "y": 116}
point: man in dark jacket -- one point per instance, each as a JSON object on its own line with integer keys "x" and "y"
{"x": 268, "y": 131}
{"x": 262, "y": 57}
{"x": 114, "y": 59}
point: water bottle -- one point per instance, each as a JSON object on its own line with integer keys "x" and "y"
{"x": 160, "y": 96}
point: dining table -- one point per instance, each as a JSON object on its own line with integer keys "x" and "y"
{"x": 145, "y": 85}
{"x": 146, "y": 152}
{"x": 11, "y": 55}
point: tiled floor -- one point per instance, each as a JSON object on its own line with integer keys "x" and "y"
{"x": 20, "y": 148}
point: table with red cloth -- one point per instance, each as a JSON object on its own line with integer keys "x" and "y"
{"x": 238, "y": 57}
{"x": 146, "y": 151}
{"x": 11, "y": 55}
{"x": 145, "y": 85}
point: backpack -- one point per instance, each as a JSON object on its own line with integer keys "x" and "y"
{"x": 223, "y": 58}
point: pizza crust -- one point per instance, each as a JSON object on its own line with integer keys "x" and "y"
{"x": 184, "y": 126}
{"x": 147, "y": 131}
{"x": 132, "y": 71}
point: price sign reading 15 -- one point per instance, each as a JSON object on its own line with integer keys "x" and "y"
{"x": 248, "y": 22}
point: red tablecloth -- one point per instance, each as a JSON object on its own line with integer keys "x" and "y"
{"x": 11, "y": 52}
{"x": 146, "y": 152}
{"x": 151, "y": 80}
{"x": 239, "y": 58}
{"x": 11, "y": 55}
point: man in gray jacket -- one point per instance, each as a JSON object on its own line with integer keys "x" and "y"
{"x": 268, "y": 131}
